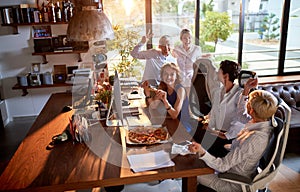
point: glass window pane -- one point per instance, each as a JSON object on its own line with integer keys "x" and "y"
{"x": 292, "y": 58}
{"x": 170, "y": 16}
{"x": 219, "y": 29}
{"x": 128, "y": 20}
{"x": 261, "y": 36}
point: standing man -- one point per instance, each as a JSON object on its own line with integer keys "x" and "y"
{"x": 154, "y": 58}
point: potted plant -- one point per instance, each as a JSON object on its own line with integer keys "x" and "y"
{"x": 124, "y": 41}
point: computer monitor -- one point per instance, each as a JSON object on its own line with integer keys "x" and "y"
{"x": 115, "y": 112}
{"x": 82, "y": 88}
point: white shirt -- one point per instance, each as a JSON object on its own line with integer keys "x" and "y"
{"x": 154, "y": 61}
{"x": 228, "y": 112}
{"x": 185, "y": 61}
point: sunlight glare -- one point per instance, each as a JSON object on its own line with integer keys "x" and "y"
{"x": 128, "y": 4}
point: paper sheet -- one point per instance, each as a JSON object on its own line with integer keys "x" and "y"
{"x": 149, "y": 161}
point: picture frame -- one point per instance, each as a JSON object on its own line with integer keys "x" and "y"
{"x": 35, "y": 68}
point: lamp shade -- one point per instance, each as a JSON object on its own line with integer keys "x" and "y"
{"x": 89, "y": 23}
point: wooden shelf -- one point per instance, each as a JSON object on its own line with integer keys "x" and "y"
{"x": 31, "y": 24}
{"x": 15, "y": 25}
{"x": 44, "y": 54}
{"x": 25, "y": 92}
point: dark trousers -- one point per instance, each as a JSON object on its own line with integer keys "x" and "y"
{"x": 213, "y": 144}
{"x": 202, "y": 188}
{"x": 218, "y": 149}
{"x": 117, "y": 188}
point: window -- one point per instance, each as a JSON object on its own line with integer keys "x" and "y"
{"x": 257, "y": 44}
{"x": 262, "y": 37}
{"x": 292, "y": 61}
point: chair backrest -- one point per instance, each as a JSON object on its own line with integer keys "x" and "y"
{"x": 274, "y": 153}
{"x": 199, "y": 99}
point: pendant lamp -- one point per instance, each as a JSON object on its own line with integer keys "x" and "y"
{"x": 89, "y": 22}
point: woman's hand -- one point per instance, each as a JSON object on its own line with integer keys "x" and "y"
{"x": 145, "y": 86}
{"x": 162, "y": 95}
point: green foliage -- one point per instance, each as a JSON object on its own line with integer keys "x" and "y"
{"x": 216, "y": 26}
{"x": 269, "y": 27}
{"x": 207, "y": 48}
{"x": 188, "y": 7}
{"x": 207, "y": 7}
{"x": 162, "y": 7}
{"x": 104, "y": 96}
{"x": 124, "y": 41}
{"x": 171, "y": 6}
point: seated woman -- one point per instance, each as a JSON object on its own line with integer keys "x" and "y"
{"x": 247, "y": 149}
{"x": 170, "y": 95}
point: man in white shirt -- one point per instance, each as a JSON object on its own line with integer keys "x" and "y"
{"x": 227, "y": 115}
{"x": 154, "y": 58}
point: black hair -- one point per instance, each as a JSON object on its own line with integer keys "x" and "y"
{"x": 232, "y": 68}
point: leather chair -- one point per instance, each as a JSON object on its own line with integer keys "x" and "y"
{"x": 272, "y": 158}
{"x": 199, "y": 97}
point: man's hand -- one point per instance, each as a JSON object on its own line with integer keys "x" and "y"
{"x": 250, "y": 84}
{"x": 146, "y": 38}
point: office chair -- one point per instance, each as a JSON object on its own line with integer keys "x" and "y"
{"x": 271, "y": 159}
{"x": 199, "y": 97}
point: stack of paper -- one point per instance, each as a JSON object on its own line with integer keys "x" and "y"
{"x": 141, "y": 120}
{"x": 149, "y": 161}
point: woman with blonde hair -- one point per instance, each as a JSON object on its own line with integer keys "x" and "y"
{"x": 186, "y": 54}
{"x": 247, "y": 149}
{"x": 170, "y": 95}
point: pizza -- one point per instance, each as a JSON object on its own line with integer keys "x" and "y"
{"x": 147, "y": 135}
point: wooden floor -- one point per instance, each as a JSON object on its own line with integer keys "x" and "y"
{"x": 286, "y": 180}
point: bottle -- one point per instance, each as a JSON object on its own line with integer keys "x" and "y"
{"x": 41, "y": 15}
{"x": 58, "y": 12}
{"x": 45, "y": 14}
{"x": 52, "y": 15}
{"x": 63, "y": 11}
{"x": 70, "y": 10}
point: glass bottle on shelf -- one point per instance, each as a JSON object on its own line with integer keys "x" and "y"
{"x": 70, "y": 10}
{"x": 45, "y": 14}
{"x": 58, "y": 12}
{"x": 52, "y": 12}
{"x": 41, "y": 14}
{"x": 65, "y": 7}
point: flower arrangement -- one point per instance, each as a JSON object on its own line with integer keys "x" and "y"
{"x": 103, "y": 93}
{"x": 124, "y": 41}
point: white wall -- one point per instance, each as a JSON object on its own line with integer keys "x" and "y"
{"x": 16, "y": 56}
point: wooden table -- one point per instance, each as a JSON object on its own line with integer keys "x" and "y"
{"x": 70, "y": 166}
